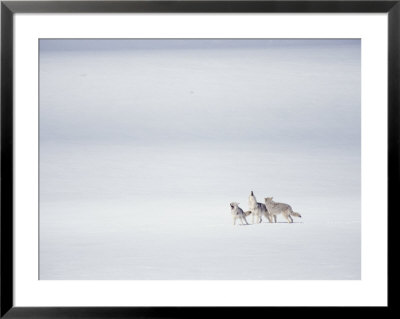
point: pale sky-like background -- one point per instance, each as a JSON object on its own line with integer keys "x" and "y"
{"x": 168, "y": 88}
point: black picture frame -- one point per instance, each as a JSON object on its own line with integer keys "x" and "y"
{"x": 9, "y": 8}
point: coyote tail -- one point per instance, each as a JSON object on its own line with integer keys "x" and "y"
{"x": 295, "y": 214}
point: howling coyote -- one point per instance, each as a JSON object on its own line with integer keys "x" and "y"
{"x": 258, "y": 209}
{"x": 237, "y": 212}
{"x": 275, "y": 208}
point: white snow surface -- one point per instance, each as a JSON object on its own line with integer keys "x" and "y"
{"x": 198, "y": 244}
{"x": 143, "y": 147}
{"x": 146, "y": 224}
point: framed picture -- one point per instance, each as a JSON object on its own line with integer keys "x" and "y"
{"x": 173, "y": 158}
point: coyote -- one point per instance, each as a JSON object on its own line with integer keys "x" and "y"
{"x": 237, "y": 212}
{"x": 275, "y": 209}
{"x": 258, "y": 209}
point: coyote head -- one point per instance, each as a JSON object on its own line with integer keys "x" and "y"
{"x": 234, "y": 205}
{"x": 252, "y": 198}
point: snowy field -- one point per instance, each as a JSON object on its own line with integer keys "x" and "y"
{"x": 113, "y": 245}
{"x": 143, "y": 147}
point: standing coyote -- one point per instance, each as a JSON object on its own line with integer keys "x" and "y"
{"x": 237, "y": 212}
{"x": 275, "y": 209}
{"x": 258, "y": 209}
